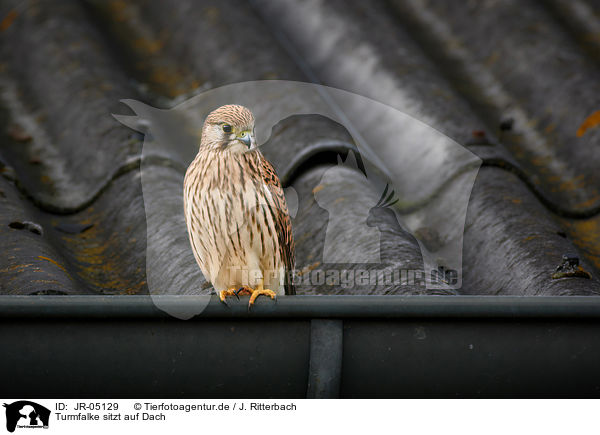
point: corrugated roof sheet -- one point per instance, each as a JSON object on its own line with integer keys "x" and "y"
{"x": 514, "y": 81}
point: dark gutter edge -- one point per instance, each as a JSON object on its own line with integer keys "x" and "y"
{"x": 375, "y": 307}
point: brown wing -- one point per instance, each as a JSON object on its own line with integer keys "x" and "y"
{"x": 283, "y": 223}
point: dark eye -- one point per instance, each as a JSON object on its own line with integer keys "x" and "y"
{"x": 227, "y": 128}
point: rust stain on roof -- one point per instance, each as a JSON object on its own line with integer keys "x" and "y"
{"x": 591, "y": 121}
{"x": 8, "y": 20}
{"x": 586, "y": 236}
{"x": 41, "y": 257}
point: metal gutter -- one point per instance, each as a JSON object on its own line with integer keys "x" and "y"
{"x": 309, "y": 307}
{"x": 326, "y": 355}
{"x": 301, "y": 346}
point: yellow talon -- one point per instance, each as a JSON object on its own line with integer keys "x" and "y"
{"x": 234, "y": 291}
{"x": 261, "y": 291}
{"x": 224, "y": 293}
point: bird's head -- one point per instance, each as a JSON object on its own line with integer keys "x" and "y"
{"x": 230, "y": 128}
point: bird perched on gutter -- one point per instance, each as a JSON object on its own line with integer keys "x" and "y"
{"x": 236, "y": 214}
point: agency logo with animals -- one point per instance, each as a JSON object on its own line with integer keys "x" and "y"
{"x": 25, "y": 414}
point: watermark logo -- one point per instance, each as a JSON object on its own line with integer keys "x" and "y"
{"x": 24, "y": 414}
{"x": 337, "y": 205}
{"x": 397, "y": 180}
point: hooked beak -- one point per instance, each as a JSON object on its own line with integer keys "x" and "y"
{"x": 248, "y": 140}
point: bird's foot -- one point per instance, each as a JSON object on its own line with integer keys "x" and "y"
{"x": 234, "y": 291}
{"x": 261, "y": 291}
{"x": 244, "y": 291}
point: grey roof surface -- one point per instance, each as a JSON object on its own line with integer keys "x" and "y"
{"x": 513, "y": 81}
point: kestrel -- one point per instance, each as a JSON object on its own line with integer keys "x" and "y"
{"x": 236, "y": 214}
